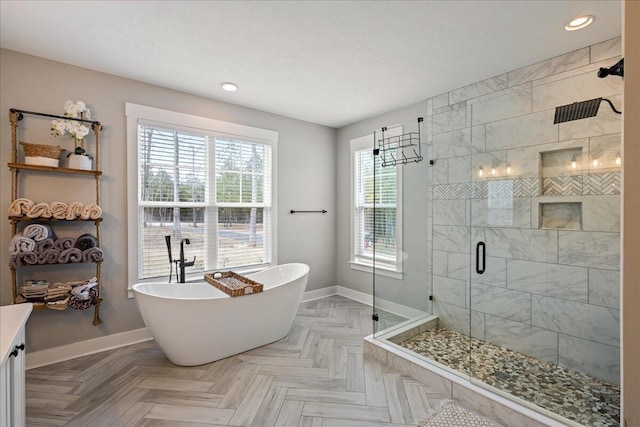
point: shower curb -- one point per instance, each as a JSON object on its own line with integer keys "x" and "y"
{"x": 461, "y": 390}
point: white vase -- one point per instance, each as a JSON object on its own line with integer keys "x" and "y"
{"x": 79, "y": 161}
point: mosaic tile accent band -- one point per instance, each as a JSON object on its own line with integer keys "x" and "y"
{"x": 587, "y": 185}
{"x": 526, "y": 187}
{"x": 602, "y": 183}
{"x": 562, "y": 186}
{"x": 451, "y": 191}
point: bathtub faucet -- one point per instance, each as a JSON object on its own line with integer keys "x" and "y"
{"x": 182, "y": 262}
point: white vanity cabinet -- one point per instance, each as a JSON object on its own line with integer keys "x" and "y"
{"x": 12, "y": 388}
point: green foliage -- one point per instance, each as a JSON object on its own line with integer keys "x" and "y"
{"x": 159, "y": 187}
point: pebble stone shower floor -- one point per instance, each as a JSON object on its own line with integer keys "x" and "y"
{"x": 575, "y": 396}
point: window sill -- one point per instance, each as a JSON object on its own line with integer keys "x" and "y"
{"x": 382, "y": 271}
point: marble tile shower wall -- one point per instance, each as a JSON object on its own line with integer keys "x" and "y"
{"x": 548, "y": 292}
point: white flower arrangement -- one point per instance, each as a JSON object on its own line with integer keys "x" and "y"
{"x": 76, "y": 129}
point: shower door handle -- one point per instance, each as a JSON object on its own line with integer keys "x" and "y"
{"x": 480, "y": 270}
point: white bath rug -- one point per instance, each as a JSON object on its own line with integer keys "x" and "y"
{"x": 449, "y": 414}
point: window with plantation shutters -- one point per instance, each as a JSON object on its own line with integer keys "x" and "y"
{"x": 375, "y": 209}
{"x": 206, "y": 185}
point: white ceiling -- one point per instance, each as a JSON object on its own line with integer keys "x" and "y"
{"x": 327, "y": 62}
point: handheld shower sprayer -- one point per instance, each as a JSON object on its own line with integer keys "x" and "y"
{"x": 172, "y": 261}
{"x": 168, "y": 240}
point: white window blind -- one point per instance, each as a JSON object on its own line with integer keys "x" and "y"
{"x": 214, "y": 191}
{"x": 384, "y": 193}
{"x": 243, "y": 200}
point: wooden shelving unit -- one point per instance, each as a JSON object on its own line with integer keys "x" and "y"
{"x": 15, "y": 116}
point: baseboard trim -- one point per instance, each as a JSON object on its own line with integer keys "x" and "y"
{"x": 390, "y": 306}
{"x": 361, "y": 297}
{"x": 53, "y": 355}
{"x": 319, "y": 293}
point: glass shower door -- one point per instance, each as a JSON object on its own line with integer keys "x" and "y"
{"x": 544, "y": 266}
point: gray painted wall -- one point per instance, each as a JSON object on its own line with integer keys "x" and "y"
{"x": 359, "y": 280}
{"x": 306, "y": 180}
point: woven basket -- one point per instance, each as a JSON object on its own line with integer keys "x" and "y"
{"x": 41, "y": 150}
{"x": 234, "y": 284}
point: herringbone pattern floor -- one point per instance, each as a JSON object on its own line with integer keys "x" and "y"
{"x": 314, "y": 377}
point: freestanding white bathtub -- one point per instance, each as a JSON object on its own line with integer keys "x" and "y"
{"x": 195, "y": 323}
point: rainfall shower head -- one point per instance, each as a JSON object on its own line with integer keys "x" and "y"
{"x": 580, "y": 110}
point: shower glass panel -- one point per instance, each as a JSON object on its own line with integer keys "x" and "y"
{"x": 399, "y": 229}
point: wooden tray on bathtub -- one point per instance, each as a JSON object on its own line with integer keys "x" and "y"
{"x": 234, "y": 284}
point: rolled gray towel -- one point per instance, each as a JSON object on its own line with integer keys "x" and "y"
{"x": 27, "y": 258}
{"x": 50, "y": 256}
{"x": 63, "y": 243}
{"x": 13, "y": 261}
{"x": 70, "y": 255}
{"x": 86, "y": 241}
{"x": 92, "y": 255}
{"x": 38, "y": 232}
{"x": 44, "y": 245}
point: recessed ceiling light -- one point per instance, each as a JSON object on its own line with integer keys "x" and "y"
{"x": 229, "y": 87}
{"x": 579, "y": 22}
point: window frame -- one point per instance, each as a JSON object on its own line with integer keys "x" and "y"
{"x": 356, "y": 262}
{"x": 150, "y": 116}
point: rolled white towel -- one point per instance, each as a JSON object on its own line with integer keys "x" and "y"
{"x": 91, "y": 211}
{"x": 19, "y": 243}
{"x": 59, "y": 210}
{"x": 38, "y": 232}
{"x": 20, "y": 207}
{"x": 74, "y": 211}
{"x": 40, "y": 210}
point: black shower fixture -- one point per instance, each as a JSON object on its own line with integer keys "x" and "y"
{"x": 580, "y": 110}
{"x": 615, "y": 70}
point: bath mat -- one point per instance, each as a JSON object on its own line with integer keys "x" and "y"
{"x": 449, "y": 414}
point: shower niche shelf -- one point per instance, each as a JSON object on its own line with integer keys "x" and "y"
{"x": 399, "y": 149}
{"x": 560, "y": 215}
{"x": 561, "y": 172}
